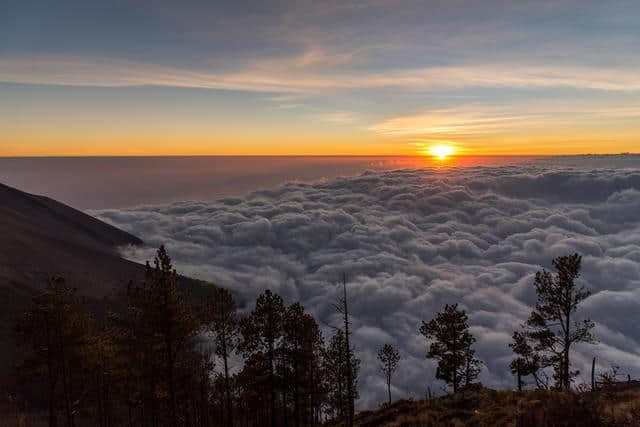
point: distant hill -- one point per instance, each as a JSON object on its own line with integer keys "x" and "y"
{"x": 40, "y": 237}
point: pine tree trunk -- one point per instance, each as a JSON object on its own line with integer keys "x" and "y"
{"x": 350, "y": 401}
{"x": 518, "y": 368}
{"x": 455, "y": 369}
{"x": 227, "y": 387}
{"x": 152, "y": 395}
{"x": 567, "y": 344}
{"x": 340, "y": 391}
{"x": 53, "y": 419}
{"x": 296, "y": 392}
{"x": 272, "y": 387}
{"x": 171, "y": 384}
{"x": 100, "y": 401}
{"x": 65, "y": 386}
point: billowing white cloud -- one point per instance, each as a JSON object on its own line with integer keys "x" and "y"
{"x": 411, "y": 241}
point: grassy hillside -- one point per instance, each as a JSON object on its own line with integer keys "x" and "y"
{"x": 489, "y": 408}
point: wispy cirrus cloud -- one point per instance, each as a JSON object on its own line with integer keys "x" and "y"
{"x": 338, "y": 117}
{"x": 299, "y": 75}
{"x": 478, "y": 121}
{"x": 450, "y": 122}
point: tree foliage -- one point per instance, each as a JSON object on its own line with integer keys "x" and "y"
{"x": 551, "y": 325}
{"x": 389, "y": 358}
{"x": 165, "y": 325}
{"x": 162, "y": 359}
{"x": 54, "y": 333}
{"x": 152, "y": 360}
{"x": 221, "y": 320}
{"x": 527, "y": 361}
{"x": 262, "y": 333}
{"x": 338, "y": 359}
{"x": 159, "y": 358}
{"x": 451, "y": 346}
{"x": 302, "y": 352}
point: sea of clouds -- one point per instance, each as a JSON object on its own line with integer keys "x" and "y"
{"x": 411, "y": 241}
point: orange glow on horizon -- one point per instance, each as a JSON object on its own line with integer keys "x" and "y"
{"x": 441, "y": 151}
{"x": 109, "y": 144}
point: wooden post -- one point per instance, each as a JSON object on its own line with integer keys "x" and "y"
{"x": 593, "y": 374}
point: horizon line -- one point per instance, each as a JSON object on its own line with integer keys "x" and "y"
{"x": 115, "y": 156}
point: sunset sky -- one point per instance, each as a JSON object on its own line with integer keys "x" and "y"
{"x": 319, "y": 77}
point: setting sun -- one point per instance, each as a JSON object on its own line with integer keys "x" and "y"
{"x": 441, "y": 151}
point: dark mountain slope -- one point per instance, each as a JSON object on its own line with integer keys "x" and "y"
{"x": 40, "y": 237}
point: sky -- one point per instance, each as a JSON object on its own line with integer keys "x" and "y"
{"x": 379, "y": 77}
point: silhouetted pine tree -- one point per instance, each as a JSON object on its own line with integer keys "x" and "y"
{"x": 551, "y": 325}
{"x": 147, "y": 367}
{"x": 173, "y": 321}
{"x": 451, "y": 347}
{"x": 106, "y": 377}
{"x": 336, "y": 365}
{"x": 136, "y": 361}
{"x": 472, "y": 366}
{"x": 302, "y": 349}
{"x": 389, "y": 358}
{"x": 54, "y": 333}
{"x": 195, "y": 388}
{"x": 157, "y": 338}
{"x": 221, "y": 320}
{"x": 262, "y": 333}
{"x": 252, "y": 388}
{"x": 527, "y": 361}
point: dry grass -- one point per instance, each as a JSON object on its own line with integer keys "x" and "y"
{"x": 479, "y": 408}
{"x": 490, "y": 408}
{"x": 13, "y": 415}
{"x": 621, "y": 408}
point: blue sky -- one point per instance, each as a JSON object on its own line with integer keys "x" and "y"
{"x": 319, "y": 77}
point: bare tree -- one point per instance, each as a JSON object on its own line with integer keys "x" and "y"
{"x": 342, "y": 307}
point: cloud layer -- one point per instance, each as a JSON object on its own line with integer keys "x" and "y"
{"x": 411, "y": 241}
